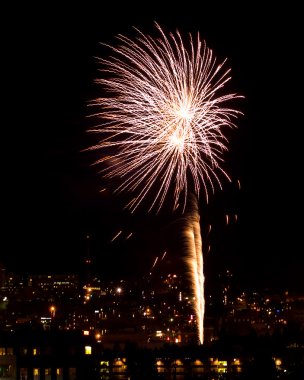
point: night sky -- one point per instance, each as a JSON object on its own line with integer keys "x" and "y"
{"x": 51, "y": 199}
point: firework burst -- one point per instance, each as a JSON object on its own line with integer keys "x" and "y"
{"x": 163, "y": 117}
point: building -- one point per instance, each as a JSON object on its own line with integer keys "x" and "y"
{"x": 46, "y": 355}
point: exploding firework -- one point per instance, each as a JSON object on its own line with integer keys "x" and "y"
{"x": 163, "y": 116}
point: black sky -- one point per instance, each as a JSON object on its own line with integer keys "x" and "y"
{"x": 51, "y": 198}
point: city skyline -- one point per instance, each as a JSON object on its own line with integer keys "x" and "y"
{"x": 45, "y": 317}
{"x": 52, "y": 198}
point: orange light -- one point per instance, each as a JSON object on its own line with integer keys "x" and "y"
{"x": 52, "y": 311}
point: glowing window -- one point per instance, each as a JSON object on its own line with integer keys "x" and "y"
{"x": 222, "y": 370}
{"x": 36, "y": 373}
{"x": 222, "y": 363}
{"x": 88, "y": 350}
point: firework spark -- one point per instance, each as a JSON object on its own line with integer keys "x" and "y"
{"x": 163, "y": 117}
{"x": 116, "y": 236}
{"x": 192, "y": 243}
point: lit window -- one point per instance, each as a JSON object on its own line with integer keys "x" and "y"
{"x": 222, "y": 370}
{"x": 88, "y": 350}
{"x": 36, "y": 373}
{"x": 2, "y": 351}
{"x": 222, "y": 363}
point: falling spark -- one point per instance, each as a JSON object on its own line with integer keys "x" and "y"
{"x": 227, "y": 219}
{"x": 155, "y": 261}
{"x": 163, "y": 256}
{"x": 130, "y": 234}
{"x": 162, "y": 119}
{"x": 116, "y": 236}
{"x": 239, "y": 184}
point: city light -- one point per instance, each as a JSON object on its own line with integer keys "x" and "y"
{"x": 52, "y": 311}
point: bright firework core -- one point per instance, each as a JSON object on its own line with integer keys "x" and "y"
{"x": 184, "y": 113}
